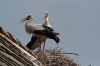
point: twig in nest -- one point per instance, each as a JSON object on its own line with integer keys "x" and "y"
{"x": 55, "y": 48}
{"x": 60, "y": 49}
{"x": 68, "y": 53}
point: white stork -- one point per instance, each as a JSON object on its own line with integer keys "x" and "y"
{"x": 38, "y": 30}
{"x": 33, "y": 43}
{"x": 47, "y": 24}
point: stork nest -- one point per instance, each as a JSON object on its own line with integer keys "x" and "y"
{"x": 55, "y": 57}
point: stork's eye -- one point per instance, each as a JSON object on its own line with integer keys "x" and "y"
{"x": 29, "y": 16}
{"x": 47, "y": 13}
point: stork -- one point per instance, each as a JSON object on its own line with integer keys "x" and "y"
{"x": 38, "y": 30}
{"x": 33, "y": 42}
{"x": 47, "y": 24}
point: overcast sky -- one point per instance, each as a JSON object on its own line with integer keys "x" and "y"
{"x": 78, "y": 21}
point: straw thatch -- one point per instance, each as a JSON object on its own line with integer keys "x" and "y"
{"x": 14, "y": 53}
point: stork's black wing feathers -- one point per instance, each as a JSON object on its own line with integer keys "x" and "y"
{"x": 49, "y": 28}
{"x": 47, "y": 33}
{"x": 29, "y": 45}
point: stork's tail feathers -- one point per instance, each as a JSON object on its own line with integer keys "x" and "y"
{"x": 56, "y": 33}
{"x": 57, "y": 40}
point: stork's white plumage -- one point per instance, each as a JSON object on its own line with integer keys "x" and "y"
{"x": 46, "y": 17}
{"x": 38, "y": 30}
{"x": 33, "y": 42}
{"x": 30, "y": 28}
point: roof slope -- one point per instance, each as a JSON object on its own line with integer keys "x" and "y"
{"x": 12, "y": 52}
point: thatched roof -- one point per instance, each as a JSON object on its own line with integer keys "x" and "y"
{"x": 13, "y": 52}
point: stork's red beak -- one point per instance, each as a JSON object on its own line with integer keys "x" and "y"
{"x": 23, "y": 20}
{"x": 45, "y": 16}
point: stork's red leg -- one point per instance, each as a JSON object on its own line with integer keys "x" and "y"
{"x": 44, "y": 45}
{"x": 39, "y": 44}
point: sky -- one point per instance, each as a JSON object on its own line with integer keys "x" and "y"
{"x": 77, "y": 21}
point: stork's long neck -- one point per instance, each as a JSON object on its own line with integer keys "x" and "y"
{"x": 47, "y": 22}
{"x": 27, "y": 26}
